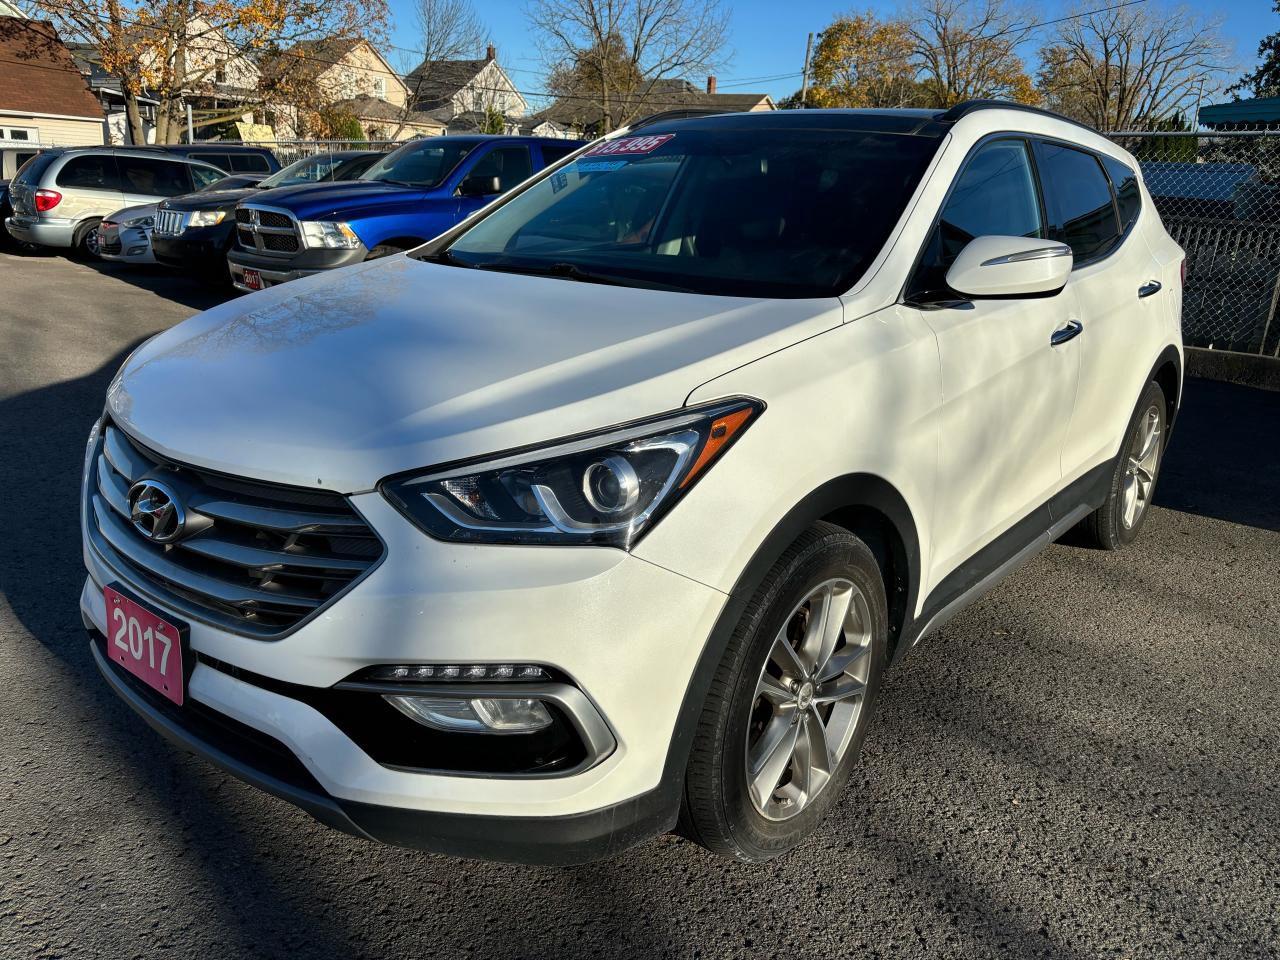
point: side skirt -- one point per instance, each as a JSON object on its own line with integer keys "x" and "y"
{"x": 974, "y": 578}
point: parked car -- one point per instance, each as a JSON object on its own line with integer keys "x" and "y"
{"x": 410, "y": 195}
{"x": 231, "y": 158}
{"x": 196, "y": 231}
{"x": 60, "y": 196}
{"x": 608, "y": 508}
{"x": 125, "y": 236}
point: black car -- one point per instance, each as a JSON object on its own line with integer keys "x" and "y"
{"x": 195, "y": 231}
{"x": 232, "y": 158}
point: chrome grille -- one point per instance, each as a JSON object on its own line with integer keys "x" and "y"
{"x": 273, "y": 232}
{"x": 264, "y": 557}
{"x": 168, "y": 223}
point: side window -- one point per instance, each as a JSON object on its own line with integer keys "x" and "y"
{"x": 510, "y": 165}
{"x": 1128, "y": 197}
{"x": 219, "y": 160}
{"x": 994, "y": 195}
{"x": 154, "y": 178}
{"x": 551, "y": 152}
{"x": 1079, "y": 196}
{"x": 205, "y": 176}
{"x": 94, "y": 171}
{"x": 249, "y": 163}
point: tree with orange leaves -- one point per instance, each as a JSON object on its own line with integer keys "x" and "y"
{"x": 172, "y": 50}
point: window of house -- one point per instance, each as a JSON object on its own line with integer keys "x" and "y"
{"x": 1079, "y": 197}
{"x": 22, "y": 134}
{"x": 380, "y": 87}
{"x": 994, "y": 195}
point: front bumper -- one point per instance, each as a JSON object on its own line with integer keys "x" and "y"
{"x": 46, "y": 233}
{"x": 197, "y": 249}
{"x": 277, "y": 270}
{"x": 627, "y": 632}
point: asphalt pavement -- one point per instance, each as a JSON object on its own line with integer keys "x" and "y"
{"x": 1084, "y": 764}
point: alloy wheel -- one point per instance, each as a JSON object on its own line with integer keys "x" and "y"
{"x": 1141, "y": 466}
{"x": 808, "y": 699}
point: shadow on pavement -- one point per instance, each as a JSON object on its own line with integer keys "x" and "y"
{"x": 180, "y": 286}
{"x": 1224, "y": 457}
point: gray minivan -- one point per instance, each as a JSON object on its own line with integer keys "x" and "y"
{"x": 60, "y": 196}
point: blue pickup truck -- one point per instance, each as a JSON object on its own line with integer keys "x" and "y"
{"x": 411, "y": 195}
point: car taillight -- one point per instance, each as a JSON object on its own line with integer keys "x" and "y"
{"x": 47, "y": 200}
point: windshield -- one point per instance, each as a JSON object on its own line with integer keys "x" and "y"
{"x": 749, "y": 211}
{"x": 423, "y": 163}
{"x": 321, "y": 167}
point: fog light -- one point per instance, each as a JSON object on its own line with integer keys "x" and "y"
{"x": 475, "y": 715}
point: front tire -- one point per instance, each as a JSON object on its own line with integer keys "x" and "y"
{"x": 1133, "y": 484}
{"x": 790, "y": 703}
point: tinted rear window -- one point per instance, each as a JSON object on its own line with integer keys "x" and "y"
{"x": 249, "y": 163}
{"x": 768, "y": 211}
{"x": 93, "y": 171}
{"x": 1125, "y": 182}
{"x": 31, "y": 171}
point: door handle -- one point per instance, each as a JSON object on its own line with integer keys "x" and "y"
{"x": 1070, "y": 331}
{"x": 1148, "y": 288}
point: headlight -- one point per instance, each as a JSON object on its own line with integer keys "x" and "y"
{"x": 329, "y": 233}
{"x": 206, "y": 218}
{"x": 608, "y": 488}
{"x": 145, "y": 222}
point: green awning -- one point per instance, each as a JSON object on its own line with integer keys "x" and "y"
{"x": 1261, "y": 110}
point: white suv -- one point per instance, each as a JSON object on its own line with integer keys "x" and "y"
{"x": 603, "y": 514}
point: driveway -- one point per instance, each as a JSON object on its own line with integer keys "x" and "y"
{"x": 1084, "y": 764}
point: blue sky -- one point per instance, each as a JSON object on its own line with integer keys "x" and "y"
{"x": 766, "y": 43}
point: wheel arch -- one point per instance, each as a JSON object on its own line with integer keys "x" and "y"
{"x": 1167, "y": 372}
{"x": 865, "y": 504}
{"x": 403, "y": 243}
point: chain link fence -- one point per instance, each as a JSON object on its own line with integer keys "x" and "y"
{"x": 1219, "y": 196}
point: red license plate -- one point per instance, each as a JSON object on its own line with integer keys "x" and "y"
{"x": 147, "y": 646}
{"x": 252, "y": 279}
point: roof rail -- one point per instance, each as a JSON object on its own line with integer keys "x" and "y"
{"x": 683, "y": 113}
{"x": 966, "y": 107}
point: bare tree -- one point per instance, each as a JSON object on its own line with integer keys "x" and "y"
{"x": 611, "y": 56}
{"x": 1132, "y": 67}
{"x": 967, "y": 49}
{"x": 447, "y": 30}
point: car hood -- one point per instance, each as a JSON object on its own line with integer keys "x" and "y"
{"x": 343, "y": 378}
{"x": 132, "y": 213}
{"x": 314, "y": 201}
{"x": 211, "y": 199}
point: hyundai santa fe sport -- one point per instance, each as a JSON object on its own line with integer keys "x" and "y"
{"x": 603, "y": 513}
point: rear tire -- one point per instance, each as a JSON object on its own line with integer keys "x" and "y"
{"x": 789, "y": 706}
{"x": 1133, "y": 484}
{"x": 86, "y": 241}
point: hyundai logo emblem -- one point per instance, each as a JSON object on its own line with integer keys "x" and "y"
{"x": 155, "y": 511}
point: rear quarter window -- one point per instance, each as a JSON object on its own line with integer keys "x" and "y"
{"x": 249, "y": 163}
{"x": 1125, "y": 183}
{"x": 94, "y": 171}
{"x": 31, "y": 171}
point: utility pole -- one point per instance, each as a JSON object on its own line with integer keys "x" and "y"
{"x": 191, "y": 134}
{"x": 804, "y": 84}
{"x": 1195, "y": 120}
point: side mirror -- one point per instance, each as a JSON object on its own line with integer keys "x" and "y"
{"x": 1010, "y": 267}
{"x": 480, "y": 187}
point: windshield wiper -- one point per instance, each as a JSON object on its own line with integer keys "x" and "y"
{"x": 571, "y": 271}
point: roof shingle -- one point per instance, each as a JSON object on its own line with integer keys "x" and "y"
{"x": 37, "y": 74}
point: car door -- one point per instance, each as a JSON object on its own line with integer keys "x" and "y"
{"x": 1008, "y": 389}
{"x": 1112, "y": 276}
{"x": 89, "y": 186}
{"x": 148, "y": 179}
{"x": 510, "y": 164}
